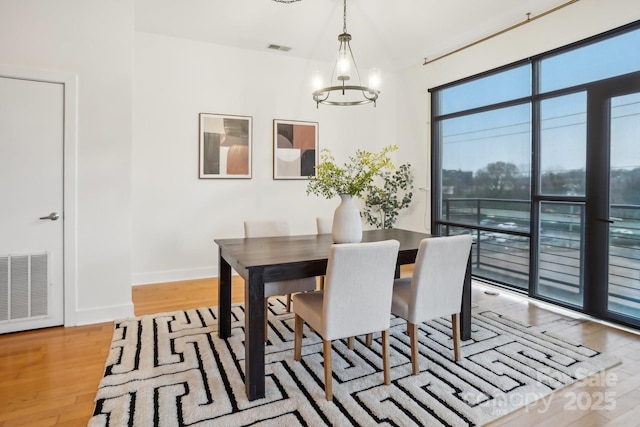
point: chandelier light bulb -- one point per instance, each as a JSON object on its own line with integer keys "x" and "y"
{"x": 344, "y": 65}
{"x": 317, "y": 81}
{"x": 375, "y": 78}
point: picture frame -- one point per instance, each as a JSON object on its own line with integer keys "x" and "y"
{"x": 295, "y": 149}
{"x": 225, "y": 146}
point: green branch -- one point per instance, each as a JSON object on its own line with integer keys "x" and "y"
{"x": 353, "y": 177}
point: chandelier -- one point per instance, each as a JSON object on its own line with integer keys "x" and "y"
{"x": 345, "y": 84}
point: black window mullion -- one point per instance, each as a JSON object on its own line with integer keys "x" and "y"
{"x": 436, "y": 167}
{"x": 597, "y": 202}
{"x": 498, "y": 106}
{"x": 534, "y": 215}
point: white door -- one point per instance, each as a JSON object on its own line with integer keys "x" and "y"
{"x": 31, "y": 177}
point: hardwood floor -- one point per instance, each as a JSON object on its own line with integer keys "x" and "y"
{"x": 605, "y": 400}
{"x": 49, "y": 377}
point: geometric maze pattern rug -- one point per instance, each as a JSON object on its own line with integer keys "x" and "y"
{"x": 171, "y": 369}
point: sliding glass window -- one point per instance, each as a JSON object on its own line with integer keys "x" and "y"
{"x": 538, "y": 161}
{"x": 484, "y": 155}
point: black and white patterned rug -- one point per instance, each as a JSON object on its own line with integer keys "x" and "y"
{"x": 171, "y": 369}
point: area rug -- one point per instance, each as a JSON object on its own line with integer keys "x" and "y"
{"x": 171, "y": 369}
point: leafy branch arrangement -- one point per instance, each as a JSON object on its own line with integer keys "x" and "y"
{"x": 353, "y": 177}
{"x": 383, "y": 204}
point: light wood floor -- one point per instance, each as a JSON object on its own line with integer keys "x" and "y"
{"x": 49, "y": 377}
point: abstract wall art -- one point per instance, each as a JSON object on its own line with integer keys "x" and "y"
{"x": 295, "y": 149}
{"x": 225, "y": 146}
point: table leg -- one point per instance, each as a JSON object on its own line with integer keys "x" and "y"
{"x": 465, "y": 311}
{"x": 254, "y": 334}
{"x": 224, "y": 297}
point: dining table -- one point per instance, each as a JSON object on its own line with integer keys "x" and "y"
{"x": 267, "y": 259}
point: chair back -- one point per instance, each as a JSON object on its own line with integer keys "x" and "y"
{"x": 324, "y": 225}
{"x": 276, "y": 228}
{"x": 438, "y": 277}
{"x": 358, "y": 288}
{"x": 266, "y": 228}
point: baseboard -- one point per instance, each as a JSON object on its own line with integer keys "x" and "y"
{"x": 173, "y": 275}
{"x": 103, "y": 314}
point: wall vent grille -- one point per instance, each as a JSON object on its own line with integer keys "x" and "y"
{"x": 24, "y": 286}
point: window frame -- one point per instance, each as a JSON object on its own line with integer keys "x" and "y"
{"x": 536, "y": 198}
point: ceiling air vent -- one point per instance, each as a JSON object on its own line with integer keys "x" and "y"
{"x": 278, "y": 47}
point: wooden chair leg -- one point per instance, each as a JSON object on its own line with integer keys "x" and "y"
{"x": 413, "y": 339}
{"x": 385, "y": 357}
{"x": 266, "y": 320}
{"x": 369, "y": 340}
{"x": 321, "y": 287}
{"x": 326, "y": 352}
{"x": 455, "y": 326}
{"x": 350, "y": 343}
{"x": 297, "y": 338}
{"x": 288, "y": 303}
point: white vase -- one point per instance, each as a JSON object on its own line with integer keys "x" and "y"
{"x": 347, "y": 226}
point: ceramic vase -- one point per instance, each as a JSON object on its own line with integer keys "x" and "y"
{"x": 347, "y": 225}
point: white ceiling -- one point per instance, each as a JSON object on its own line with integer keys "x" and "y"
{"x": 389, "y": 34}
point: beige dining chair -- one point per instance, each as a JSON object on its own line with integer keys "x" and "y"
{"x": 274, "y": 228}
{"x": 435, "y": 288}
{"x": 323, "y": 226}
{"x": 360, "y": 272}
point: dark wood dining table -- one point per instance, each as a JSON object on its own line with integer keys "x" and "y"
{"x": 267, "y": 259}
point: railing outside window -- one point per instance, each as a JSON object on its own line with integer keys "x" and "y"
{"x": 501, "y": 251}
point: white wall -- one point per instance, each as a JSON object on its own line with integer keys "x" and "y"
{"x": 176, "y": 216}
{"x": 93, "y": 39}
{"x": 573, "y": 23}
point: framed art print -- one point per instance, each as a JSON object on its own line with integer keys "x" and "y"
{"x": 295, "y": 149}
{"x": 225, "y": 146}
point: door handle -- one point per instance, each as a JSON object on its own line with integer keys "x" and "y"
{"x": 611, "y": 220}
{"x": 53, "y": 216}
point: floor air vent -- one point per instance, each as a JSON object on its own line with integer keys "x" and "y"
{"x": 24, "y": 286}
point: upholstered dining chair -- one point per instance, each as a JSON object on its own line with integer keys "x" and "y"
{"x": 273, "y": 228}
{"x": 324, "y": 226}
{"x": 360, "y": 272}
{"x": 435, "y": 288}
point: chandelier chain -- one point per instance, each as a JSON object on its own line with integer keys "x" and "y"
{"x": 344, "y": 18}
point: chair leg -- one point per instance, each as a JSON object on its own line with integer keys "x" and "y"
{"x": 326, "y": 351}
{"x": 455, "y": 326}
{"x": 321, "y": 287}
{"x": 288, "y": 303}
{"x": 413, "y": 339}
{"x": 266, "y": 320}
{"x": 385, "y": 357}
{"x": 297, "y": 338}
{"x": 350, "y": 343}
{"x": 369, "y": 339}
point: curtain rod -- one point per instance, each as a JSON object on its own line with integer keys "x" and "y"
{"x": 519, "y": 24}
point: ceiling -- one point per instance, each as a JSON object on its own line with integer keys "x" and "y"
{"x": 388, "y": 34}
